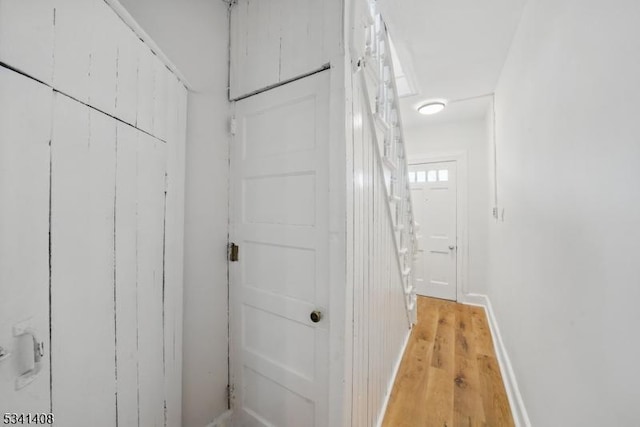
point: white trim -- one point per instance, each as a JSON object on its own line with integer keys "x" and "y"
{"x": 392, "y": 380}
{"x": 462, "y": 220}
{"x": 475, "y": 299}
{"x": 520, "y": 416}
{"x": 122, "y": 12}
{"x": 223, "y": 420}
{"x": 340, "y": 290}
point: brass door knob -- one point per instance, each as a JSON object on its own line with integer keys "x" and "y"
{"x": 315, "y": 316}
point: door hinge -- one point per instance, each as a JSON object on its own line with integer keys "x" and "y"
{"x": 233, "y": 252}
{"x": 232, "y": 126}
{"x": 166, "y": 182}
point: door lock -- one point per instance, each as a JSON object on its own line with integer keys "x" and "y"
{"x": 451, "y": 247}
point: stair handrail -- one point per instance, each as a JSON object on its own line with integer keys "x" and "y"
{"x": 391, "y": 155}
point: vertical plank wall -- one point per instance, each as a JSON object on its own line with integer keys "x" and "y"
{"x": 287, "y": 38}
{"x": 380, "y": 322}
{"x": 113, "y": 196}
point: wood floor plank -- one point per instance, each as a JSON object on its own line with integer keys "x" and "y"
{"x": 427, "y": 318}
{"x": 494, "y": 396}
{"x": 439, "y": 390}
{"x": 483, "y": 341}
{"x": 467, "y": 402}
{"x": 444, "y": 342}
{"x": 449, "y": 375}
{"x": 439, "y": 400}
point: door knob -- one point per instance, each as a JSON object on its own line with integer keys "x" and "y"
{"x": 316, "y": 316}
{"x": 451, "y": 248}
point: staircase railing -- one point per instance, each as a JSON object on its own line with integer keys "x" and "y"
{"x": 381, "y": 94}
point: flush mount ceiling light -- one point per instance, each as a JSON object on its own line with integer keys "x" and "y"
{"x": 432, "y": 107}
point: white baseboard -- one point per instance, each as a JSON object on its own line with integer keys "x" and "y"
{"x": 392, "y": 380}
{"x": 475, "y": 299}
{"x": 521, "y": 418}
{"x": 223, "y": 420}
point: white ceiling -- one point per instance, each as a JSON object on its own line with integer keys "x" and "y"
{"x": 451, "y": 49}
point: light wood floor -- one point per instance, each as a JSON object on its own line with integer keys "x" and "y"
{"x": 449, "y": 374}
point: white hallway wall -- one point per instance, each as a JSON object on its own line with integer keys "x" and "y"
{"x": 194, "y": 35}
{"x": 564, "y": 276}
{"x": 468, "y": 136}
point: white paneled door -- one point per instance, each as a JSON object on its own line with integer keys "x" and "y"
{"x": 25, "y": 132}
{"x": 433, "y": 191}
{"x": 279, "y": 285}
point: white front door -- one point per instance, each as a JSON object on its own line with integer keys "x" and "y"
{"x": 279, "y": 220}
{"x": 433, "y": 190}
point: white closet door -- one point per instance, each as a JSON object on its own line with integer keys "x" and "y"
{"x": 25, "y": 121}
{"x": 280, "y": 199}
{"x": 126, "y": 292}
{"x": 150, "y": 278}
{"x": 82, "y": 275}
{"x": 141, "y": 295}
